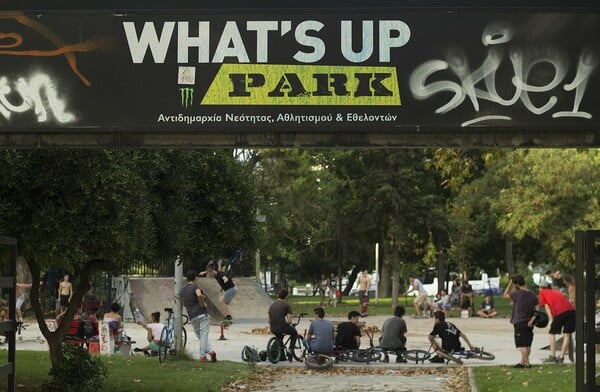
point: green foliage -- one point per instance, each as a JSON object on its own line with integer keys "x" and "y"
{"x": 78, "y": 371}
{"x": 127, "y": 373}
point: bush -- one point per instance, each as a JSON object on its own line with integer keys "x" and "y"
{"x": 78, "y": 371}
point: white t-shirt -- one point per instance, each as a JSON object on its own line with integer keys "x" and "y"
{"x": 417, "y": 285}
{"x": 156, "y": 330}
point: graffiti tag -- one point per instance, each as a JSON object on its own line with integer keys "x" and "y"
{"x": 524, "y": 64}
{"x": 38, "y": 94}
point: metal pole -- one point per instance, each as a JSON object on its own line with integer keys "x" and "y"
{"x": 178, "y": 310}
{"x": 377, "y": 273}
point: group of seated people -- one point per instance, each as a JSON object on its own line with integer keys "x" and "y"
{"x": 323, "y": 338}
{"x": 462, "y": 297}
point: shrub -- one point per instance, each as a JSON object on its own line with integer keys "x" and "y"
{"x": 78, "y": 371}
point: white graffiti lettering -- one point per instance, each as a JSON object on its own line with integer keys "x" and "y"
{"x": 480, "y": 84}
{"x": 28, "y": 95}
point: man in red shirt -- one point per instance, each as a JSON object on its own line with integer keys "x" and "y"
{"x": 562, "y": 317}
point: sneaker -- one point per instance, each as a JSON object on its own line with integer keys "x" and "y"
{"x": 213, "y": 356}
{"x": 550, "y": 359}
{"x": 401, "y": 359}
{"x": 519, "y": 366}
{"x": 228, "y": 317}
{"x": 560, "y": 359}
{"x": 203, "y": 359}
{"x": 137, "y": 350}
{"x": 437, "y": 359}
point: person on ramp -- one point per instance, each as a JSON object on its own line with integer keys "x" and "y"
{"x": 226, "y": 283}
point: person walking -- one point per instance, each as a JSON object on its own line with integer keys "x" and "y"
{"x": 524, "y": 304}
{"x": 364, "y": 283}
{"x": 562, "y": 319}
{"x": 194, "y": 300}
{"x": 422, "y": 298}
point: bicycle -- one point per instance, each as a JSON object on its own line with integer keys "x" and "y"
{"x": 458, "y": 355}
{"x": 167, "y": 341}
{"x": 278, "y": 349}
{"x": 375, "y": 353}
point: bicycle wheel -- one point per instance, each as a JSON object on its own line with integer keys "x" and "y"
{"x": 318, "y": 361}
{"x": 274, "y": 350}
{"x": 449, "y": 357}
{"x": 417, "y": 355}
{"x": 299, "y": 349}
{"x": 368, "y": 355}
{"x": 163, "y": 345}
{"x": 484, "y": 355}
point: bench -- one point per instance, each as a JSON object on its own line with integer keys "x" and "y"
{"x": 71, "y": 335}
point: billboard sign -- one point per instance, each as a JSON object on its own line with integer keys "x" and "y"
{"x": 338, "y": 70}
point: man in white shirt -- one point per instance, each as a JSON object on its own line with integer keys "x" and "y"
{"x": 422, "y": 298}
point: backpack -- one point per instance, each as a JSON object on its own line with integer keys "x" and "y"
{"x": 249, "y": 354}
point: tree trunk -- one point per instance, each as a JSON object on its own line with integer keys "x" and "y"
{"x": 351, "y": 279}
{"x": 55, "y": 338}
{"x": 508, "y": 254}
{"x": 395, "y": 276}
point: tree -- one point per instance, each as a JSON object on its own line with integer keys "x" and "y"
{"x": 102, "y": 209}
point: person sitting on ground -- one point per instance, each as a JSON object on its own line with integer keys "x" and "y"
{"x": 348, "y": 333}
{"x": 448, "y": 333}
{"x": 466, "y": 296}
{"x": 394, "y": 334}
{"x": 443, "y": 302}
{"x": 320, "y": 333}
{"x": 455, "y": 296}
{"x": 487, "y": 308}
{"x": 154, "y": 330}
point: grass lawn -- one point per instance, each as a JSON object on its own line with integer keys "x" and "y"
{"x": 540, "y": 378}
{"x": 146, "y": 374}
{"x": 306, "y": 304}
{"x": 127, "y": 373}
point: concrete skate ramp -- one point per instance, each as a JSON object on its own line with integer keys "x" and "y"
{"x": 155, "y": 294}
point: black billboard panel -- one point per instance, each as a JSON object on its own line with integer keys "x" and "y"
{"x": 309, "y": 70}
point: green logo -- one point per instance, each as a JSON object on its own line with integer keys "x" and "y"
{"x": 187, "y": 96}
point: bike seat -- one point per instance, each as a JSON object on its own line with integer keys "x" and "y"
{"x": 169, "y": 310}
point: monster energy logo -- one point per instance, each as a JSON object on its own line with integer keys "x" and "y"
{"x": 187, "y": 96}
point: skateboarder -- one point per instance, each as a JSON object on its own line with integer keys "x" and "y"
{"x": 226, "y": 283}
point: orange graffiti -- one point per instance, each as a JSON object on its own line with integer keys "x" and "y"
{"x": 62, "y": 48}
{"x": 16, "y": 38}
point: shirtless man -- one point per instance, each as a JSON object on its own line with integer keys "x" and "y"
{"x": 364, "y": 282}
{"x": 65, "y": 292}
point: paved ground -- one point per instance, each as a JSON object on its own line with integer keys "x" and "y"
{"x": 494, "y": 335}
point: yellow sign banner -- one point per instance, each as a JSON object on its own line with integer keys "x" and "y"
{"x": 325, "y": 85}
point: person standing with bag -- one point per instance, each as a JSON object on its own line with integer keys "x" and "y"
{"x": 194, "y": 300}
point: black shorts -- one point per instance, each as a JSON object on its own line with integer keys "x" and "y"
{"x": 64, "y": 300}
{"x": 523, "y": 335}
{"x": 564, "y": 322}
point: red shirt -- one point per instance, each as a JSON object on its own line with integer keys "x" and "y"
{"x": 556, "y": 300}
